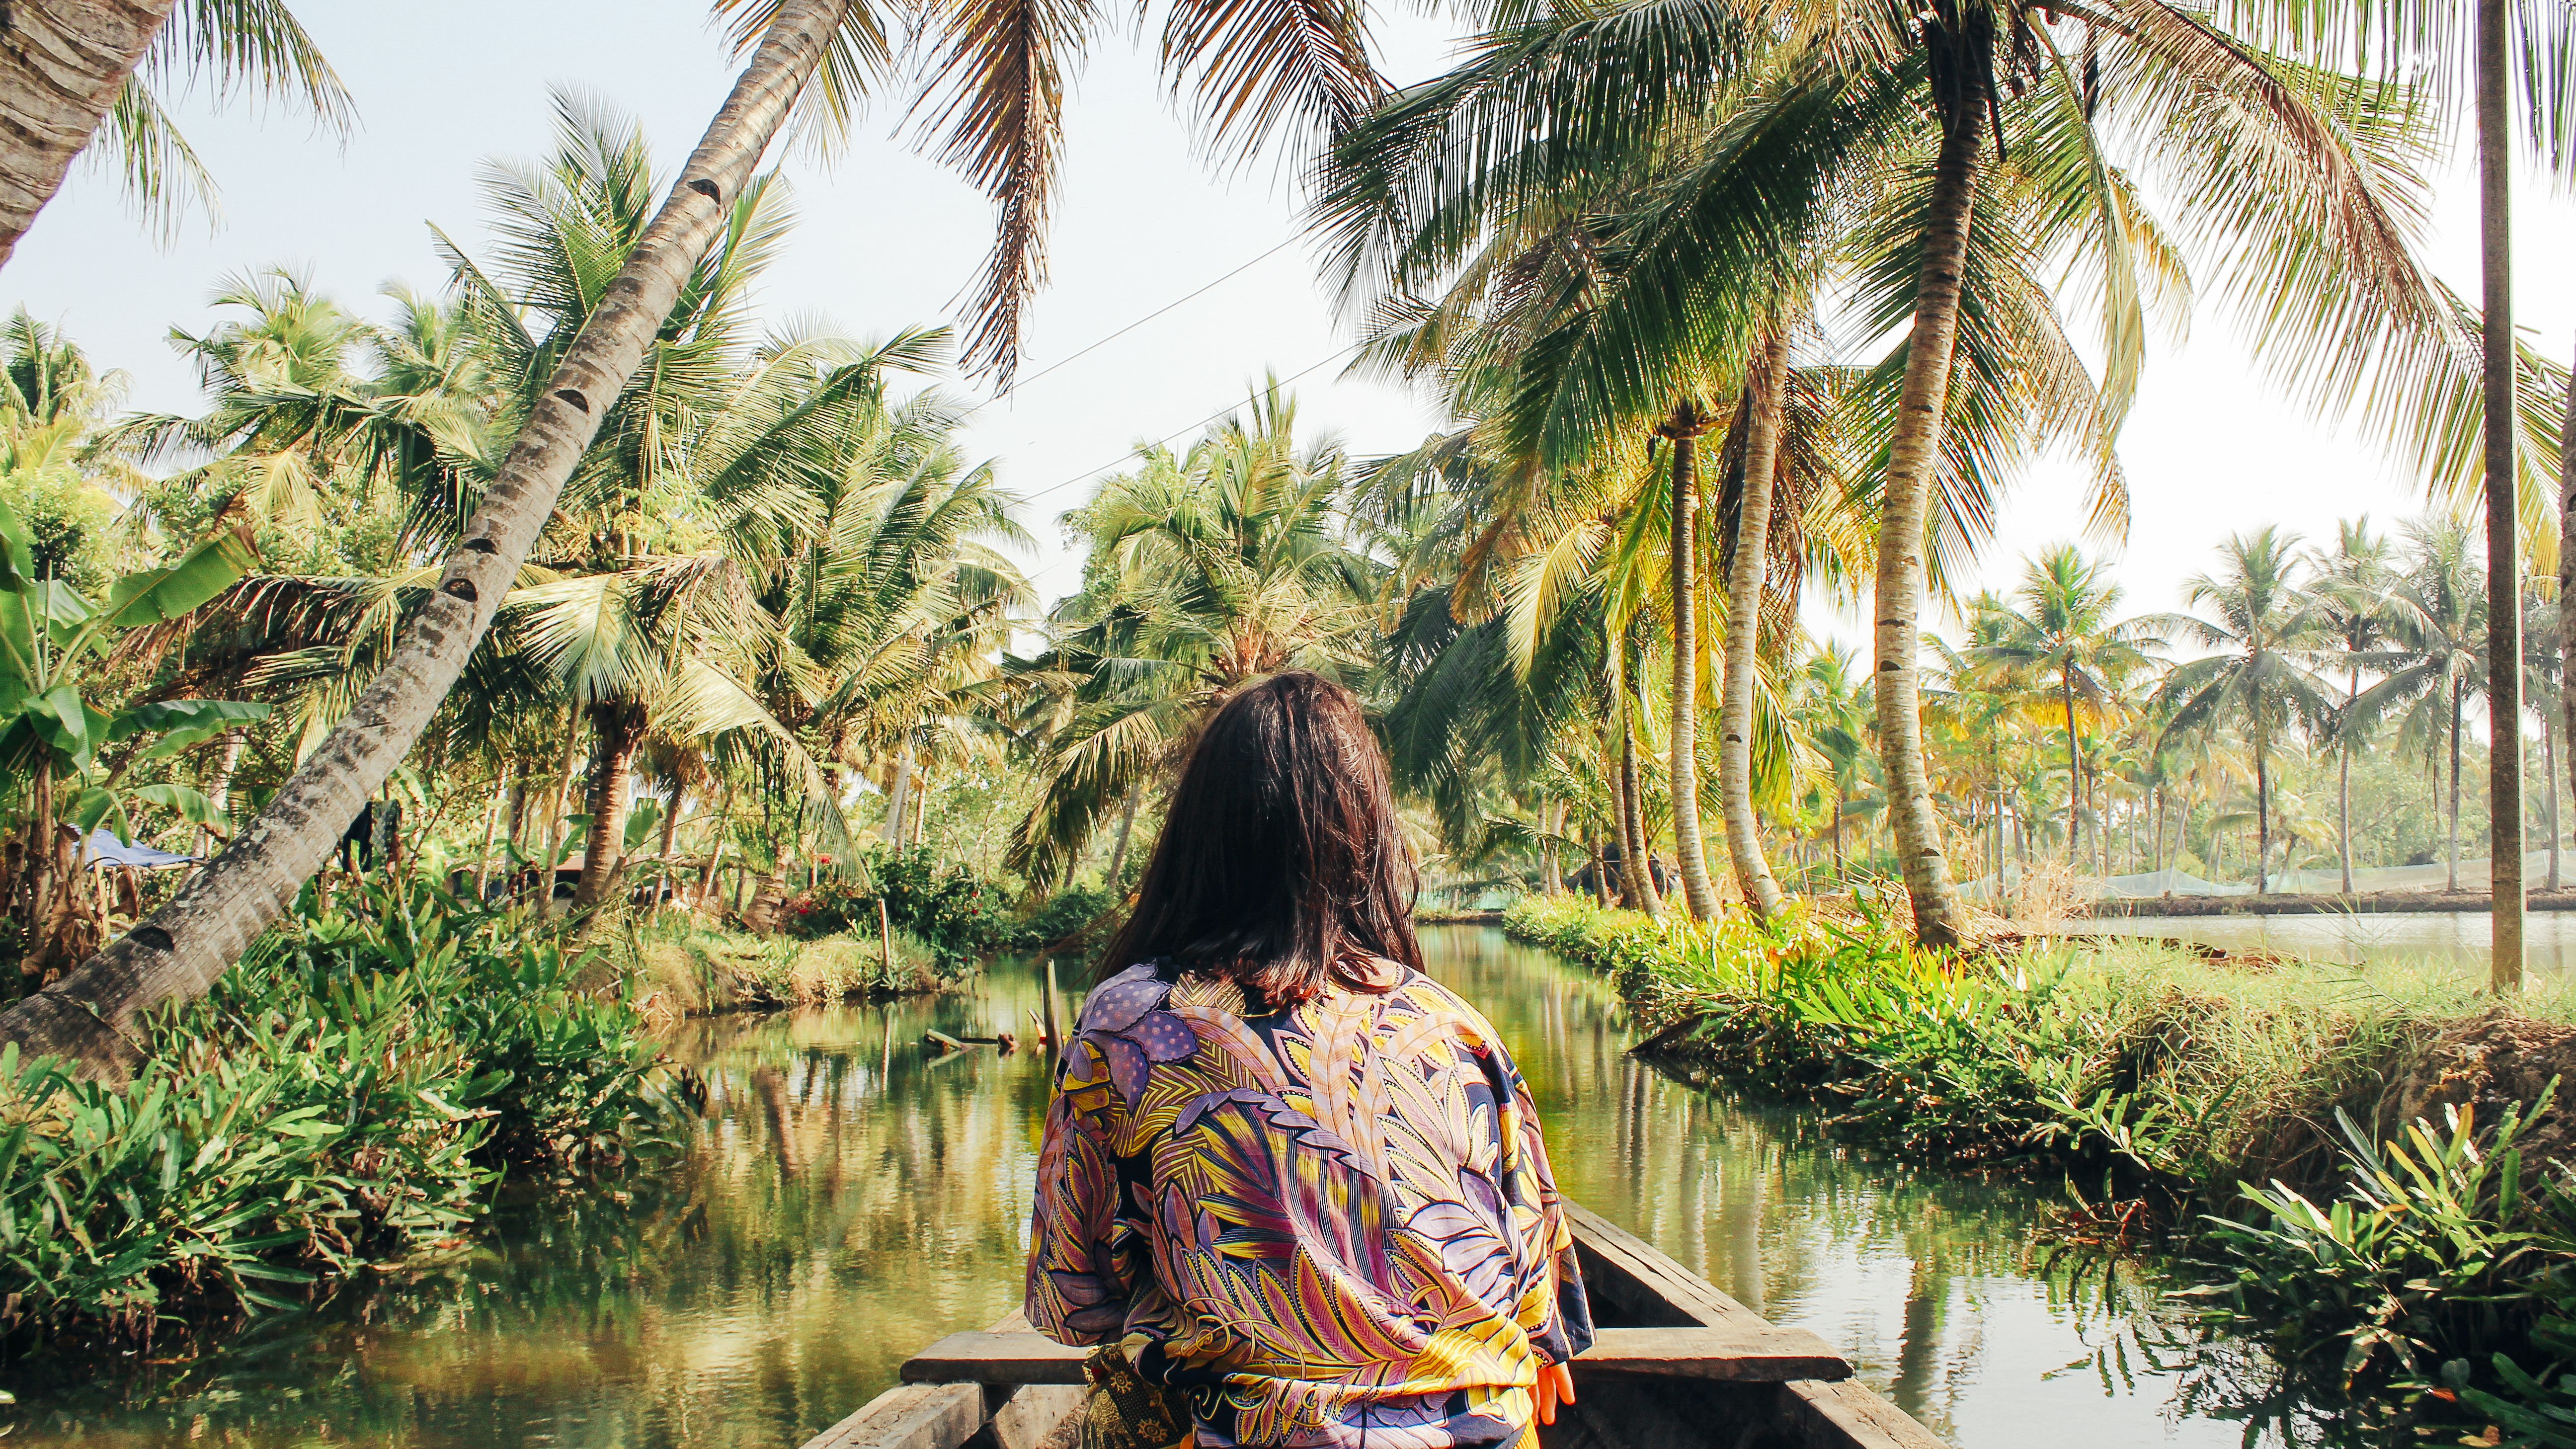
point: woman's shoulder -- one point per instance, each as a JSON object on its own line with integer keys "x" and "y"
{"x": 1116, "y": 1003}
{"x": 1430, "y": 998}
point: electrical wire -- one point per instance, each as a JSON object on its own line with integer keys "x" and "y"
{"x": 1190, "y": 428}
{"x": 1018, "y": 383}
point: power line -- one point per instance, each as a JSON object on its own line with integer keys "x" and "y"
{"x": 1189, "y": 428}
{"x": 1018, "y": 383}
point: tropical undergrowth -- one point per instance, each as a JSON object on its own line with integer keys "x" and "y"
{"x": 689, "y": 966}
{"x": 354, "y": 1091}
{"x": 2425, "y": 1269}
{"x": 961, "y": 916}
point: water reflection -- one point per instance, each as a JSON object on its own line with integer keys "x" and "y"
{"x": 2440, "y": 938}
{"x": 851, "y": 1198}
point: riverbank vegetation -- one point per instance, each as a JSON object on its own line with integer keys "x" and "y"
{"x": 356, "y": 1091}
{"x": 2357, "y": 1163}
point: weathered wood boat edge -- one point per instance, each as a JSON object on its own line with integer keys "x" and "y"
{"x": 1631, "y": 1282}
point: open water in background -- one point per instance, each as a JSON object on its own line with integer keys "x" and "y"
{"x": 849, "y": 1199}
{"x": 2433, "y": 937}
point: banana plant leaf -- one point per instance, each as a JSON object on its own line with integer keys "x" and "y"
{"x": 111, "y": 808}
{"x": 156, "y": 595}
{"x": 641, "y": 822}
{"x": 186, "y": 723}
{"x": 17, "y": 553}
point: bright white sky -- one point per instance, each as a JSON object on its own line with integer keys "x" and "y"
{"x": 888, "y": 239}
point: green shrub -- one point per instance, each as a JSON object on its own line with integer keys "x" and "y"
{"x": 2434, "y": 1245}
{"x": 352, "y": 1090}
{"x": 959, "y": 916}
{"x": 695, "y": 968}
{"x": 1074, "y": 916}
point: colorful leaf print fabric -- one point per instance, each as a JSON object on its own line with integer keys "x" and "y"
{"x": 1328, "y": 1225}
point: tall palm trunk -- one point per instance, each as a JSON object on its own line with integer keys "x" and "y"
{"x": 1765, "y": 391}
{"x": 2455, "y": 784}
{"x": 2504, "y": 537}
{"x": 2343, "y": 781}
{"x": 1621, "y": 882}
{"x": 2262, "y": 806}
{"x": 715, "y": 845}
{"x": 1685, "y": 428}
{"x": 2549, "y": 778}
{"x": 1913, "y": 452}
{"x": 502, "y": 799}
{"x": 62, "y": 65}
{"x": 2566, "y": 596}
{"x": 1640, "y": 862}
{"x": 619, "y": 725}
{"x": 183, "y": 947}
{"x": 1551, "y": 819}
{"x": 1118, "y": 853}
{"x": 558, "y": 804}
{"x": 899, "y": 795}
{"x": 2074, "y": 770}
{"x": 221, "y": 797}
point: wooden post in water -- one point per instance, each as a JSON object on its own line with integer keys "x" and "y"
{"x": 1053, "y": 1040}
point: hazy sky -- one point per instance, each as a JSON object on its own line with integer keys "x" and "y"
{"x": 888, "y": 239}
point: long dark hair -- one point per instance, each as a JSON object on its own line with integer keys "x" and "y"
{"x": 1281, "y": 862}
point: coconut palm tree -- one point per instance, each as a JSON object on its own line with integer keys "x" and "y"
{"x": 2350, "y": 587}
{"x": 1830, "y": 712}
{"x": 1207, "y": 570}
{"x": 2332, "y": 274}
{"x": 2268, "y": 630}
{"x": 2067, "y": 632}
{"x": 180, "y": 949}
{"x": 1259, "y": 69}
{"x": 2435, "y": 658}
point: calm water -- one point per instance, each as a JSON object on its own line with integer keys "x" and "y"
{"x": 851, "y": 1199}
{"x": 2549, "y": 937}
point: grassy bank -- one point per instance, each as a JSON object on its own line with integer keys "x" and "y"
{"x": 2141, "y": 1061}
{"x": 681, "y": 963}
{"x": 354, "y": 1091}
{"x": 2369, "y": 1166}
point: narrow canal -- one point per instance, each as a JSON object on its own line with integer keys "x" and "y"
{"x": 848, "y": 1199}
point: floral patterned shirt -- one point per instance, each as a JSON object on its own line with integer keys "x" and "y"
{"x": 1331, "y": 1225}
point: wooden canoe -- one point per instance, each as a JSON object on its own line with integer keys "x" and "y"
{"x": 1678, "y": 1365}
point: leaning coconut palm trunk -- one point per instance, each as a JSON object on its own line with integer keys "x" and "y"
{"x": 181, "y": 949}
{"x": 1685, "y": 428}
{"x": 1765, "y": 390}
{"x": 1905, "y": 502}
{"x": 62, "y": 64}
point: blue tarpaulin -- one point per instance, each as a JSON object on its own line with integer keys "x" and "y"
{"x": 106, "y": 850}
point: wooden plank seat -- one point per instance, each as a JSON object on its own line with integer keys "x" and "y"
{"x": 1678, "y": 1365}
{"x": 1732, "y": 1352}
